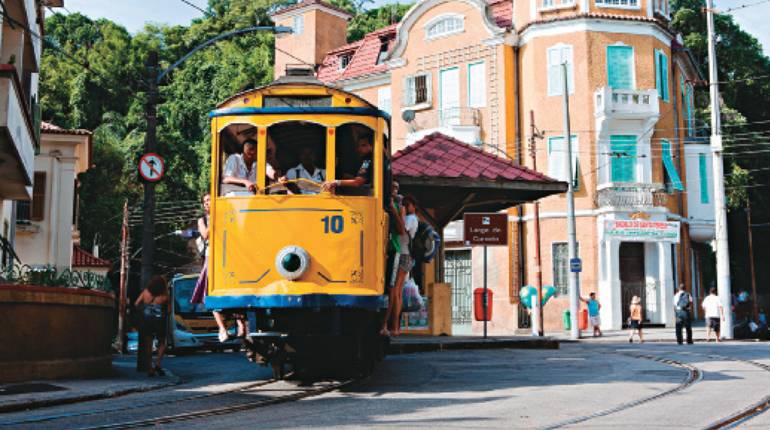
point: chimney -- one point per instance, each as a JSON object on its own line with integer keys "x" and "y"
{"x": 318, "y": 27}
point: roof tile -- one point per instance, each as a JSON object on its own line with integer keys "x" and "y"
{"x": 82, "y": 258}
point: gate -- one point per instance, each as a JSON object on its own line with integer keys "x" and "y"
{"x": 458, "y": 271}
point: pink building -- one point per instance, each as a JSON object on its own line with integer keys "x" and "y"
{"x": 474, "y": 70}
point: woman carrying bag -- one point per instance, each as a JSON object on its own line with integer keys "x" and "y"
{"x": 155, "y": 308}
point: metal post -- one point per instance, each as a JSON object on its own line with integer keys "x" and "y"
{"x": 574, "y": 297}
{"x": 484, "y": 298}
{"x": 537, "y": 307}
{"x": 123, "y": 273}
{"x": 720, "y": 209}
{"x": 754, "y": 298}
{"x": 148, "y": 213}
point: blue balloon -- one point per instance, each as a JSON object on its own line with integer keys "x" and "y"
{"x": 548, "y": 292}
{"x": 527, "y": 294}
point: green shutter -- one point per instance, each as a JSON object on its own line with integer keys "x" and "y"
{"x": 668, "y": 164}
{"x": 664, "y": 77}
{"x": 620, "y": 67}
{"x": 704, "y": 183}
{"x": 623, "y": 161}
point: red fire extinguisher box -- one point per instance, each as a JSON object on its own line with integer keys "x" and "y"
{"x": 478, "y": 304}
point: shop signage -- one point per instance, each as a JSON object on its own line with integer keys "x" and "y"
{"x": 642, "y": 231}
{"x": 487, "y": 229}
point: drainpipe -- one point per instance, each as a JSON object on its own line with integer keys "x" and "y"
{"x": 680, "y": 159}
{"x": 519, "y": 159}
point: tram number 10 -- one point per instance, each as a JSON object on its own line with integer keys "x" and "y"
{"x": 335, "y": 224}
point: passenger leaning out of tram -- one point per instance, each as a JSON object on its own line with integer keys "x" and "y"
{"x": 241, "y": 169}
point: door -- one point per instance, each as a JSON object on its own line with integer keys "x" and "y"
{"x": 457, "y": 271}
{"x": 632, "y": 278}
{"x": 449, "y": 96}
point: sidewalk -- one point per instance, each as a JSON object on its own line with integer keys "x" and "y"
{"x": 37, "y": 394}
{"x": 407, "y": 344}
{"x": 657, "y": 334}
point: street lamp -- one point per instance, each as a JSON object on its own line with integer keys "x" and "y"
{"x": 150, "y": 140}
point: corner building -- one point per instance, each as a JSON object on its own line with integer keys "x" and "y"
{"x": 473, "y": 70}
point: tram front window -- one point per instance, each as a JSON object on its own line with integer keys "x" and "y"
{"x": 354, "y": 152}
{"x": 300, "y": 157}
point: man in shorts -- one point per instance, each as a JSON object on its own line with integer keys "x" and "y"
{"x": 593, "y": 313}
{"x": 714, "y": 313}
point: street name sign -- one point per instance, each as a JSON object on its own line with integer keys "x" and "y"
{"x": 575, "y": 265}
{"x": 151, "y": 167}
{"x": 488, "y": 229}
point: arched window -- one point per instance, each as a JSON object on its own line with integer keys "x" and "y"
{"x": 445, "y": 25}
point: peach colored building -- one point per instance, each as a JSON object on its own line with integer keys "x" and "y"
{"x": 475, "y": 69}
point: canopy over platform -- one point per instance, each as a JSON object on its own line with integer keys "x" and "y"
{"x": 450, "y": 177}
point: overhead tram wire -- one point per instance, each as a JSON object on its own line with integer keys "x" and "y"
{"x": 194, "y": 6}
{"x": 744, "y": 6}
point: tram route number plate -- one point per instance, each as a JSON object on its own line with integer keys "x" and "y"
{"x": 489, "y": 229}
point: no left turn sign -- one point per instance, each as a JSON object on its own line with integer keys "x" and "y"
{"x": 151, "y": 167}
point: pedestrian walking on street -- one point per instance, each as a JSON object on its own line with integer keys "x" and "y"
{"x": 682, "y": 309}
{"x": 714, "y": 314}
{"x": 635, "y": 320}
{"x": 156, "y": 307}
{"x": 593, "y": 313}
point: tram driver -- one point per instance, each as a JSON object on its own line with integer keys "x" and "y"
{"x": 306, "y": 169}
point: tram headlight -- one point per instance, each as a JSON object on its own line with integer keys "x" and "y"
{"x": 292, "y": 261}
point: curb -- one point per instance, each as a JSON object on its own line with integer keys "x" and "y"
{"x": 108, "y": 394}
{"x": 414, "y": 347}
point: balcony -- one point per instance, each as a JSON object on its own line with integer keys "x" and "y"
{"x": 631, "y": 196}
{"x": 462, "y": 123}
{"x": 17, "y": 141}
{"x": 626, "y": 104}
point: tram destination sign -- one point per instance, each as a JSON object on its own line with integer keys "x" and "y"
{"x": 489, "y": 229}
{"x": 642, "y": 231}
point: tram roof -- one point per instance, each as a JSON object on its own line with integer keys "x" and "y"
{"x": 451, "y": 177}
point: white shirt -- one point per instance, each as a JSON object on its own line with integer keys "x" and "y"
{"x": 711, "y": 305}
{"x": 676, "y": 297}
{"x": 410, "y": 224}
{"x": 299, "y": 172}
{"x": 236, "y": 168}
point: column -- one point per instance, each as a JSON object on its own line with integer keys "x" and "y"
{"x": 609, "y": 285}
{"x": 63, "y": 221}
{"x": 666, "y": 283}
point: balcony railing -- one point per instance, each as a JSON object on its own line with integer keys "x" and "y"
{"x": 626, "y": 103}
{"x": 631, "y": 195}
{"x": 460, "y": 116}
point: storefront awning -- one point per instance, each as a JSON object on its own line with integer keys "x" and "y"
{"x": 450, "y": 177}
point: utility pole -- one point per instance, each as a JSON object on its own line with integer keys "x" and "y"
{"x": 720, "y": 209}
{"x": 123, "y": 274}
{"x": 574, "y": 294}
{"x": 754, "y": 304}
{"x": 150, "y": 138}
{"x": 537, "y": 307}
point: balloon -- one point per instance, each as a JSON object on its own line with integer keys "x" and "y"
{"x": 548, "y": 292}
{"x": 526, "y": 295}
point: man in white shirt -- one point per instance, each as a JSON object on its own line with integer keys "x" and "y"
{"x": 241, "y": 169}
{"x": 306, "y": 169}
{"x": 714, "y": 313}
{"x": 682, "y": 307}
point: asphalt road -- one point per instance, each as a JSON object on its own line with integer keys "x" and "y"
{"x": 585, "y": 385}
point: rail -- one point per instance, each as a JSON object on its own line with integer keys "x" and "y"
{"x": 631, "y": 196}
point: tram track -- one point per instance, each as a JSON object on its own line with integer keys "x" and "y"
{"x": 297, "y": 394}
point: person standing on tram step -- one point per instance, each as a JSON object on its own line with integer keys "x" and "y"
{"x": 714, "y": 314}
{"x": 156, "y": 306}
{"x": 682, "y": 309}
{"x": 593, "y": 313}
{"x": 405, "y": 259}
{"x": 635, "y": 320}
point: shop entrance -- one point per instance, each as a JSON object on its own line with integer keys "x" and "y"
{"x": 458, "y": 271}
{"x": 632, "y": 278}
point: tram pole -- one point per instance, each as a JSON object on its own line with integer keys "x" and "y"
{"x": 150, "y": 143}
{"x": 537, "y": 307}
{"x": 123, "y": 274}
{"x": 574, "y": 294}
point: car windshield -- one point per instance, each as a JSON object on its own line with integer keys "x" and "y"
{"x": 183, "y": 290}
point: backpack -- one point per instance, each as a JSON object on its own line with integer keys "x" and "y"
{"x": 425, "y": 244}
{"x": 683, "y": 304}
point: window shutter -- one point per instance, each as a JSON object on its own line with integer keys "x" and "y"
{"x": 704, "y": 183}
{"x": 409, "y": 91}
{"x": 554, "y": 72}
{"x": 658, "y": 83}
{"x": 383, "y": 99}
{"x": 668, "y": 164}
{"x": 566, "y": 56}
{"x": 477, "y": 85}
{"x": 620, "y": 73}
{"x": 37, "y": 212}
{"x": 556, "y": 154}
{"x": 664, "y": 75}
{"x": 623, "y": 161}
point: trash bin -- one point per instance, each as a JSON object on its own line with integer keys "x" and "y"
{"x": 583, "y": 323}
{"x": 565, "y": 319}
{"x": 478, "y": 295}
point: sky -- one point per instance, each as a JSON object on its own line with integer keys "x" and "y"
{"x": 133, "y": 14}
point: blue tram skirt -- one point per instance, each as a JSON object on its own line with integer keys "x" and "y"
{"x": 297, "y": 301}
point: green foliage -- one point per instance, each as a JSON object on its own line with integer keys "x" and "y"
{"x": 367, "y": 21}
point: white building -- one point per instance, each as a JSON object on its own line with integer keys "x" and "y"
{"x": 20, "y": 53}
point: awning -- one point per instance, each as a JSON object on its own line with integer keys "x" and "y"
{"x": 450, "y": 177}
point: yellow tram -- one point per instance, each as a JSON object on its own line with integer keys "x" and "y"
{"x": 306, "y": 266}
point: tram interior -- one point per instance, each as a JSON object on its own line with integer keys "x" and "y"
{"x": 291, "y": 144}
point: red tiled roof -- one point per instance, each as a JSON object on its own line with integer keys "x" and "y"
{"x": 304, "y": 3}
{"x": 47, "y": 127}
{"x": 660, "y": 23}
{"x": 502, "y": 12}
{"x": 81, "y": 258}
{"x": 440, "y": 156}
{"x": 364, "y": 57}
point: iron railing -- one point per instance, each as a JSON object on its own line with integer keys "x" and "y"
{"x": 49, "y": 276}
{"x": 631, "y": 196}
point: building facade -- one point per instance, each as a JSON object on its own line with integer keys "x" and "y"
{"x": 20, "y": 53}
{"x": 479, "y": 71}
{"x": 46, "y": 225}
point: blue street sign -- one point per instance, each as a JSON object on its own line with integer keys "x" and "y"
{"x": 575, "y": 265}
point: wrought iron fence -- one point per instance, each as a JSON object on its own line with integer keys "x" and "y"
{"x": 632, "y": 196}
{"x": 48, "y": 276}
